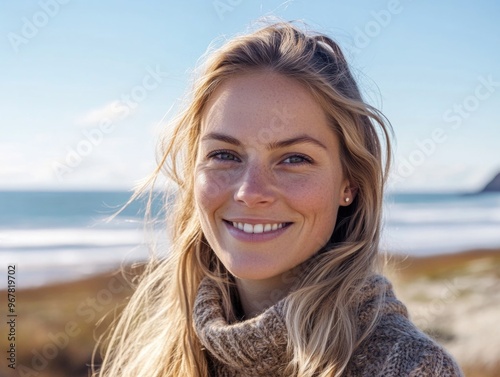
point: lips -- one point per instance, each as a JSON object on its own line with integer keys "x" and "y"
{"x": 257, "y": 228}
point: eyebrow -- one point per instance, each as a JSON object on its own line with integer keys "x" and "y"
{"x": 272, "y": 145}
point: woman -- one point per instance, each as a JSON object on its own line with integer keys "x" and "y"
{"x": 275, "y": 230}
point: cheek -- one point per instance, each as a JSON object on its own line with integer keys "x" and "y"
{"x": 314, "y": 194}
{"x": 316, "y": 200}
{"x": 210, "y": 190}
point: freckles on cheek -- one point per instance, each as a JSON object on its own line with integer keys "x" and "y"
{"x": 207, "y": 189}
{"x": 310, "y": 192}
{"x": 201, "y": 189}
{"x": 202, "y": 202}
{"x": 314, "y": 198}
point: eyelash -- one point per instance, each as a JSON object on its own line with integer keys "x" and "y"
{"x": 307, "y": 160}
{"x": 212, "y": 155}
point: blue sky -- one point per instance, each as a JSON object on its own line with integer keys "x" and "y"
{"x": 86, "y": 85}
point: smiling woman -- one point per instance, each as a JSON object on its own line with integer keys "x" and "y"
{"x": 246, "y": 186}
{"x": 272, "y": 270}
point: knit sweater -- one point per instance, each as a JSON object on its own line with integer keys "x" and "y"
{"x": 257, "y": 347}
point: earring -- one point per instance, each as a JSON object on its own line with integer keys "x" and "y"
{"x": 346, "y": 200}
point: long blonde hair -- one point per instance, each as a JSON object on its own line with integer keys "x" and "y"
{"x": 154, "y": 335}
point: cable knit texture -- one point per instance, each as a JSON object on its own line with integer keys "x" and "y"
{"x": 257, "y": 347}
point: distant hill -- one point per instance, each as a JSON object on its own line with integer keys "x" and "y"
{"x": 493, "y": 185}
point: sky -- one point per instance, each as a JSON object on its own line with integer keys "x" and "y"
{"x": 87, "y": 86}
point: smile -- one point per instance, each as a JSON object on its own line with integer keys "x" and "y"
{"x": 258, "y": 228}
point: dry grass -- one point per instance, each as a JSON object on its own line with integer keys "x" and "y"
{"x": 58, "y": 325}
{"x": 455, "y": 298}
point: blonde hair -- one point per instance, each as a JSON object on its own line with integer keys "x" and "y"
{"x": 155, "y": 336}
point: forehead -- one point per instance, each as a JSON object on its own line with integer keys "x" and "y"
{"x": 265, "y": 103}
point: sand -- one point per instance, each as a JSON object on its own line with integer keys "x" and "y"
{"x": 454, "y": 298}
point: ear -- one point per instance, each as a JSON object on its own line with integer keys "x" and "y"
{"x": 348, "y": 193}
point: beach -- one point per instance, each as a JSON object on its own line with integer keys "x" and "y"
{"x": 66, "y": 254}
{"x": 63, "y": 236}
{"x": 455, "y": 298}
{"x": 58, "y": 325}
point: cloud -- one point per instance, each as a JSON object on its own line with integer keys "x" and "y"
{"x": 22, "y": 165}
{"x": 110, "y": 112}
{"x": 115, "y": 163}
{"x": 445, "y": 177}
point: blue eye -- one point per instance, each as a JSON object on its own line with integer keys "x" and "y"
{"x": 297, "y": 159}
{"x": 222, "y": 155}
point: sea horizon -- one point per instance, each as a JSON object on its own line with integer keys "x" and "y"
{"x": 65, "y": 235}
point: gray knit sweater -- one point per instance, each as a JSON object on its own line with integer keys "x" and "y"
{"x": 257, "y": 347}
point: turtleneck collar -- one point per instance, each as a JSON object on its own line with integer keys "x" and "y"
{"x": 258, "y": 346}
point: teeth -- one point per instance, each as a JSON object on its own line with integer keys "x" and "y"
{"x": 257, "y": 228}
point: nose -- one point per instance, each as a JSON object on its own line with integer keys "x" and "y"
{"x": 255, "y": 187}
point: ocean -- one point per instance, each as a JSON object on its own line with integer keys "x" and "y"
{"x": 60, "y": 236}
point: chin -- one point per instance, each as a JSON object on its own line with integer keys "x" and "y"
{"x": 248, "y": 269}
{"x": 254, "y": 271}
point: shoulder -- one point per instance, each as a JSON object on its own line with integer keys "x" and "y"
{"x": 396, "y": 347}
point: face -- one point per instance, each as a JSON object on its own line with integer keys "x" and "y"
{"x": 269, "y": 180}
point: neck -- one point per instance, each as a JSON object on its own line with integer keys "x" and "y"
{"x": 258, "y": 295}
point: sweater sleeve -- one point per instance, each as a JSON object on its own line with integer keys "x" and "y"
{"x": 405, "y": 355}
{"x": 420, "y": 360}
{"x": 395, "y": 346}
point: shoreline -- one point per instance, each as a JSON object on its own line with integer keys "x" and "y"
{"x": 444, "y": 263}
{"x": 416, "y": 263}
{"x": 455, "y": 298}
